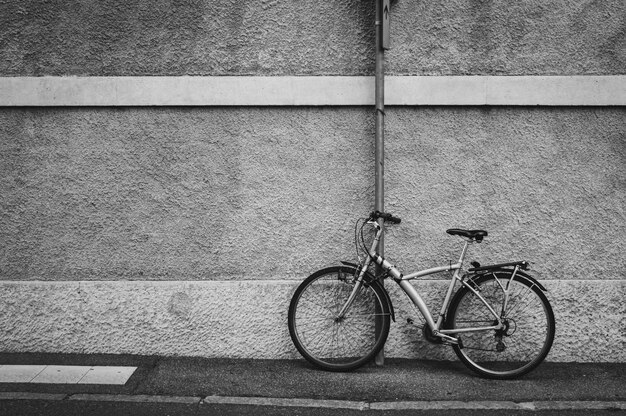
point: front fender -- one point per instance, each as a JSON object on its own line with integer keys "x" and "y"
{"x": 371, "y": 280}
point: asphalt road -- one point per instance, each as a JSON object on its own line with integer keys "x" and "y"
{"x": 195, "y": 386}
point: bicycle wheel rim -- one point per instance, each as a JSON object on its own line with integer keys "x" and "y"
{"x": 521, "y": 345}
{"x": 331, "y": 343}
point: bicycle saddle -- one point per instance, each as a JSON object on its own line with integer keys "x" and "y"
{"x": 471, "y": 234}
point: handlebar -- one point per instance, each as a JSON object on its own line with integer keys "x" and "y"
{"x": 386, "y": 216}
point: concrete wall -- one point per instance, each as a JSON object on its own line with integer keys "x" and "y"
{"x": 308, "y": 37}
{"x": 184, "y": 231}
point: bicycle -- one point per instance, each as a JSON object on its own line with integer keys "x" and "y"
{"x": 499, "y": 322}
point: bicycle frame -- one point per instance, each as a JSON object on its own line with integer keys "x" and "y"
{"x": 404, "y": 283}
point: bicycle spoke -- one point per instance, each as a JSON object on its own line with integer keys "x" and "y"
{"x": 325, "y": 338}
{"x": 519, "y": 344}
{"x": 516, "y": 308}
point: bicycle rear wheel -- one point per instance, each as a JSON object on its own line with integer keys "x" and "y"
{"x": 528, "y": 330}
{"x": 329, "y": 342}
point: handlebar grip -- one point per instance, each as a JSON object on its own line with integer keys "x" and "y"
{"x": 386, "y": 216}
{"x": 394, "y": 220}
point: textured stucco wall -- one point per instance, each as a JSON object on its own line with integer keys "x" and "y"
{"x": 185, "y": 230}
{"x": 182, "y": 194}
{"x": 186, "y": 194}
{"x": 246, "y": 202}
{"x": 247, "y": 319}
{"x": 196, "y": 37}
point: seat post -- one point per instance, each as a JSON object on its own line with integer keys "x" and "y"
{"x": 464, "y": 251}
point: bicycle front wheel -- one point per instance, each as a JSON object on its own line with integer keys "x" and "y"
{"x": 527, "y": 335}
{"x": 323, "y": 337}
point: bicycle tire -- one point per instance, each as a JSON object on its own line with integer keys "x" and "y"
{"x": 329, "y": 343}
{"x": 529, "y": 326}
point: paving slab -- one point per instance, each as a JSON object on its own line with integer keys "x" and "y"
{"x": 107, "y": 375}
{"x": 61, "y": 374}
{"x": 20, "y": 373}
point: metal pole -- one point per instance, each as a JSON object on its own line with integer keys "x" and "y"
{"x": 380, "y": 110}
{"x": 380, "y": 132}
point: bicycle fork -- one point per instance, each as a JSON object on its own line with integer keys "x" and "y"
{"x": 362, "y": 271}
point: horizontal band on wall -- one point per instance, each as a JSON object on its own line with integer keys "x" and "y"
{"x": 313, "y": 91}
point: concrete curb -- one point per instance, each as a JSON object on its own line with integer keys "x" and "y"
{"x": 19, "y": 395}
{"x": 139, "y": 398}
{"x": 291, "y": 402}
{"x": 325, "y": 404}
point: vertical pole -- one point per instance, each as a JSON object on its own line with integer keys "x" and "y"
{"x": 380, "y": 110}
{"x": 380, "y": 132}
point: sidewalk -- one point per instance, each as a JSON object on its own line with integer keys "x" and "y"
{"x": 295, "y": 383}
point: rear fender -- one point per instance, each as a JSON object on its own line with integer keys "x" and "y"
{"x": 520, "y": 275}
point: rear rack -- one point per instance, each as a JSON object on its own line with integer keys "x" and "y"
{"x": 521, "y": 264}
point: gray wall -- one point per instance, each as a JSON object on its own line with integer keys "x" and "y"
{"x": 174, "y": 230}
{"x": 458, "y": 37}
